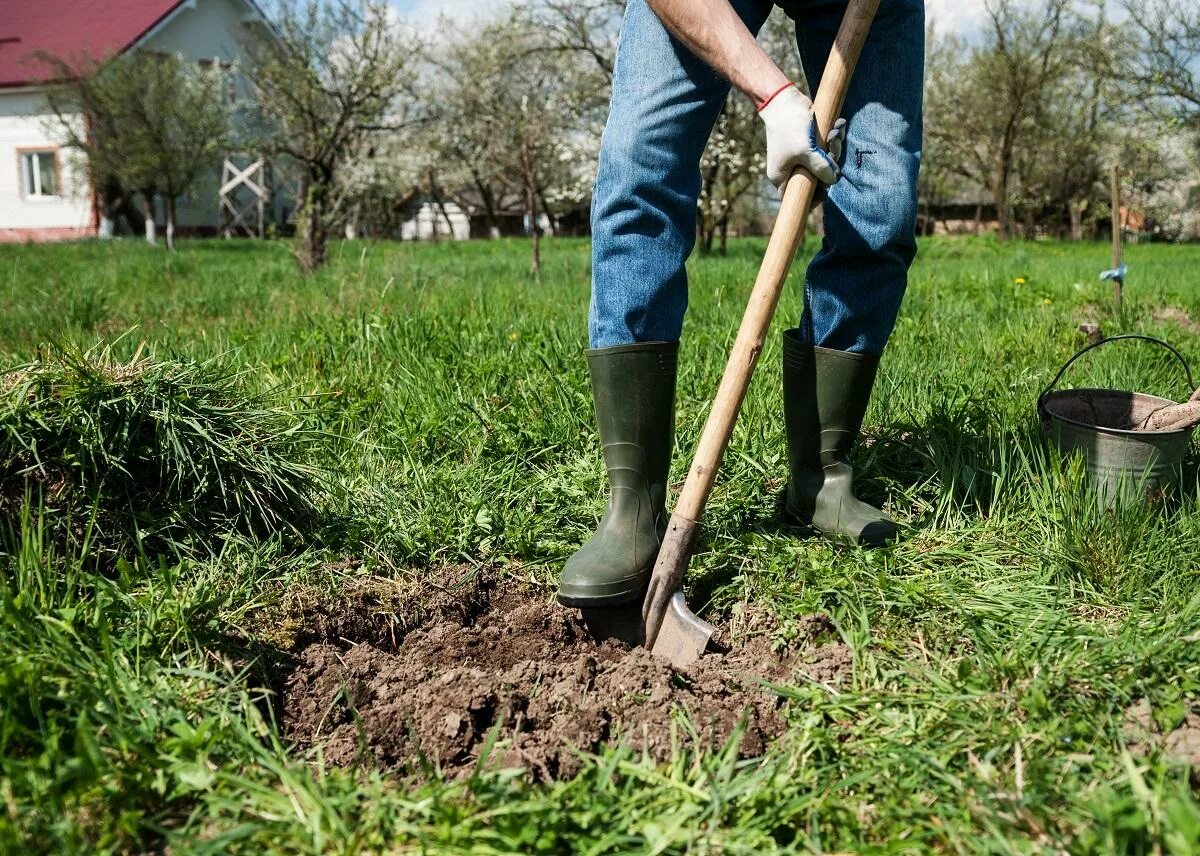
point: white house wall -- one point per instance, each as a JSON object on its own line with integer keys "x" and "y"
{"x": 205, "y": 29}
{"x": 198, "y": 30}
{"x": 26, "y": 122}
{"x": 427, "y": 222}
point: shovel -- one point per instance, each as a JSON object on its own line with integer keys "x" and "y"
{"x": 667, "y": 626}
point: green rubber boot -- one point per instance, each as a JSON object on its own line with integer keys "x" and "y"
{"x": 825, "y": 396}
{"x": 634, "y": 390}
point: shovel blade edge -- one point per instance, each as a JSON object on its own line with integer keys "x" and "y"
{"x": 683, "y": 637}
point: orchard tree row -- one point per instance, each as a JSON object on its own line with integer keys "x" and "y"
{"x": 1026, "y": 115}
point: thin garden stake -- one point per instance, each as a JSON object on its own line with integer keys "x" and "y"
{"x": 1119, "y": 279}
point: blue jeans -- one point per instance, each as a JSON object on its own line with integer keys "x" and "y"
{"x": 665, "y": 102}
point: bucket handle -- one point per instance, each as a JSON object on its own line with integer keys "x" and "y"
{"x": 1054, "y": 383}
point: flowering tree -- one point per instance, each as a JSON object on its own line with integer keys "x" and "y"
{"x": 734, "y": 163}
{"x": 151, "y": 124}
{"x": 330, "y": 78}
{"x": 1167, "y": 60}
{"x": 514, "y": 125}
{"x": 732, "y": 168}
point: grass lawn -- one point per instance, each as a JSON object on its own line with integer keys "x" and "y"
{"x": 1026, "y": 674}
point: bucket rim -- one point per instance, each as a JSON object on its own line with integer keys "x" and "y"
{"x": 1118, "y": 432}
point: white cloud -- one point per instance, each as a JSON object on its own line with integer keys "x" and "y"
{"x": 423, "y": 15}
{"x": 955, "y": 16}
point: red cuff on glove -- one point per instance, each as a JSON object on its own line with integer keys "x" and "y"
{"x": 762, "y": 104}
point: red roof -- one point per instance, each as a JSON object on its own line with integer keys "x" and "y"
{"x": 70, "y": 29}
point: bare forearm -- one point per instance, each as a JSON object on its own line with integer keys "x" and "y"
{"x": 714, "y": 33}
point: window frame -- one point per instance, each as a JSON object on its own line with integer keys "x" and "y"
{"x": 23, "y": 158}
{"x": 225, "y": 66}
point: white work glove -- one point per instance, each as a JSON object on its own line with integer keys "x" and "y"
{"x": 793, "y": 139}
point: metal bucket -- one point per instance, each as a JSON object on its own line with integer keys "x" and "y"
{"x": 1123, "y": 463}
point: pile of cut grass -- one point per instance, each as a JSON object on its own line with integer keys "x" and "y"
{"x": 146, "y": 453}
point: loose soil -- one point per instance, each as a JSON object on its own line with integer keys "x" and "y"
{"x": 1176, "y": 315}
{"x": 1142, "y": 734}
{"x": 496, "y": 663}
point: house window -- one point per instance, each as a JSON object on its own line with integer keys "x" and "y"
{"x": 39, "y": 171}
{"x": 225, "y": 69}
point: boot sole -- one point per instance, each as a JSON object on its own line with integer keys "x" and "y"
{"x": 863, "y": 539}
{"x": 589, "y": 601}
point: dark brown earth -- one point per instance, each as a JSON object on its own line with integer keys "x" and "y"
{"x": 514, "y": 668}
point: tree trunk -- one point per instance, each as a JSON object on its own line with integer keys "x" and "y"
{"x": 435, "y": 193}
{"x": 1003, "y": 211}
{"x": 312, "y": 230}
{"x": 1004, "y": 214}
{"x": 148, "y": 213}
{"x": 434, "y": 234}
{"x": 1029, "y": 225}
{"x": 531, "y": 208}
{"x": 351, "y": 227}
{"x": 169, "y": 208}
{"x": 1075, "y": 212}
{"x": 489, "y": 206}
{"x": 816, "y": 220}
{"x": 112, "y": 200}
{"x": 705, "y": 221}
{"x": 441, "y": 205}
{"x": 549, "y": 212}
{"x": 129, "y": 211}
{"x": 724, "y": 235}
{"x": 978, "y": 218}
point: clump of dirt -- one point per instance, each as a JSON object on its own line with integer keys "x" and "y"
{"x": 373, "y": 609}
{"x": 1142, "y": 734}
{"x": 1178, "y": 316}
{"x": 524, "y": 672}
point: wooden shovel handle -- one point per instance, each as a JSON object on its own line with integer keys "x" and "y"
{"x": 786, "y": 237}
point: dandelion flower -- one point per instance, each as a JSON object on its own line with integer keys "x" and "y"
{"x": 1019, "y": 280}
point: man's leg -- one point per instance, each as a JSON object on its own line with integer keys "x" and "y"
{"x": 664, "y": 104}
{"x": 856, "y": 282}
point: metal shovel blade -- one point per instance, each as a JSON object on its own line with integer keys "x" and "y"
{"x": 669, "y": 628}
{"x": 662, "y": 622}
{"x": 683, "y": 636}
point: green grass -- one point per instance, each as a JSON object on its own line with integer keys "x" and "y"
{"x": 445, "y": 396}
